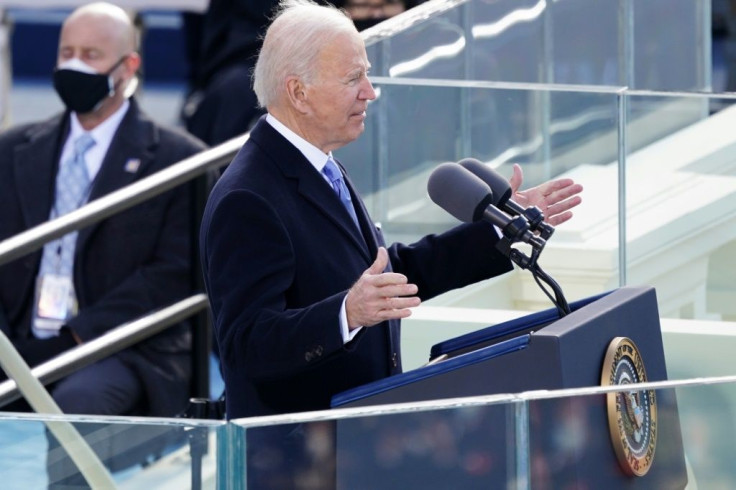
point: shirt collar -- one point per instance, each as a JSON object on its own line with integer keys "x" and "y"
{"x": 316, "y": 157}
{"x": 103, "y": 135}
{"x": 103, "y": 132}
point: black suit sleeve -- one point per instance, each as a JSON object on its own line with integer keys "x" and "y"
{"x": 461, "y": 256}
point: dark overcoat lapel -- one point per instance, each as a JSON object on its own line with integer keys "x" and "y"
{"x": 313, "y": 187}
{"x": 135, "y": 139}
{"x": 35, "y": 163}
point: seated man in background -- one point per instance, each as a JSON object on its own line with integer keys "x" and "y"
{"x": 87, "y": 282}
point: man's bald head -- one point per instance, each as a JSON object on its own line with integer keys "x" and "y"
{"x": 107, "y": 22}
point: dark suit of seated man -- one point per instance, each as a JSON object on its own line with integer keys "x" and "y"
{"x": 82, "y": 285}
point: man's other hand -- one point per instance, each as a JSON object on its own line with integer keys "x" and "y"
{"x": 555, "y": 198}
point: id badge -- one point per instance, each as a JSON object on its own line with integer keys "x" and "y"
{"x": 54, "y": 301}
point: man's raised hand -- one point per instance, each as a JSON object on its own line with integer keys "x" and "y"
{"x": 378, "y": 296}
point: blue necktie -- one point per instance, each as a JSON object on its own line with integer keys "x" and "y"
{"x": 72, "y": 187}
{"x": 338, "y": 184}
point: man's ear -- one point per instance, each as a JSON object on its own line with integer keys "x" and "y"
{"x": 296, "y": 92}
{"x": 132, "y": 63}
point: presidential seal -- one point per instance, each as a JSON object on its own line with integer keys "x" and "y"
{"x": 632, "y": 415}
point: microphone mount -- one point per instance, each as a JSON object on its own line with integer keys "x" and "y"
{"x": 535, "y": 216}
{"x": 518, "y": 230}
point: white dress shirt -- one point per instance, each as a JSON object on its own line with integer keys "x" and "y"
{"x": 102, "y": 135}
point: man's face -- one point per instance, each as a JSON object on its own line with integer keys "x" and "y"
{"x": 338, "y": 96}
{"x": 93, "y": 40}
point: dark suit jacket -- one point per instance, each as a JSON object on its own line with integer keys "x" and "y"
{"x": 279, "y": 254}
{"x": 125, "y": 266}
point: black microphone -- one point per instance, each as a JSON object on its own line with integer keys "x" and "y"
{"x": 465, "y": 196}
{"x": 502, "y": 192}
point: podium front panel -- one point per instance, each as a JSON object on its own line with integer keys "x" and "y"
{"x": 549, "y": 354}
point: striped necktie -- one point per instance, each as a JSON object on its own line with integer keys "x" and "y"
{"x": 72, "y": 187}
{"x": 72, "y": 190}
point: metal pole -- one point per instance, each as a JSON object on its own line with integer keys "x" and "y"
{"x": 623, "y": 122}
{"x": 105, "y": 345}
{"x": 99, "y": 209}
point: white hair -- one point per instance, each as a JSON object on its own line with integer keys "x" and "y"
{"x": 293, "y": 42}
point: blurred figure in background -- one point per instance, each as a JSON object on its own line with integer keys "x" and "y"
{"x": 367, "y": 13}
{"x": 223, "y": 47}
{"x": 723, "y": 25}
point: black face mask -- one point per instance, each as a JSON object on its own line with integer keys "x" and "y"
{"x": 83, "y": 92}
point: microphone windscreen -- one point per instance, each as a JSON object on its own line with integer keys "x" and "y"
{"x": 499, "y": 185}
{"x": 459, "y": 192}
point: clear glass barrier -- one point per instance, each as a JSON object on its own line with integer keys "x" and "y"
{"x": 535, "y": 440}
{"x": 663, "y": 157}
{"x": 138, "y": 452}
{"x": 681, "y": 202}
{"x": 683, "y": 439}
{"x": 586, "y": 42}
{"x": 414, "y": 125}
